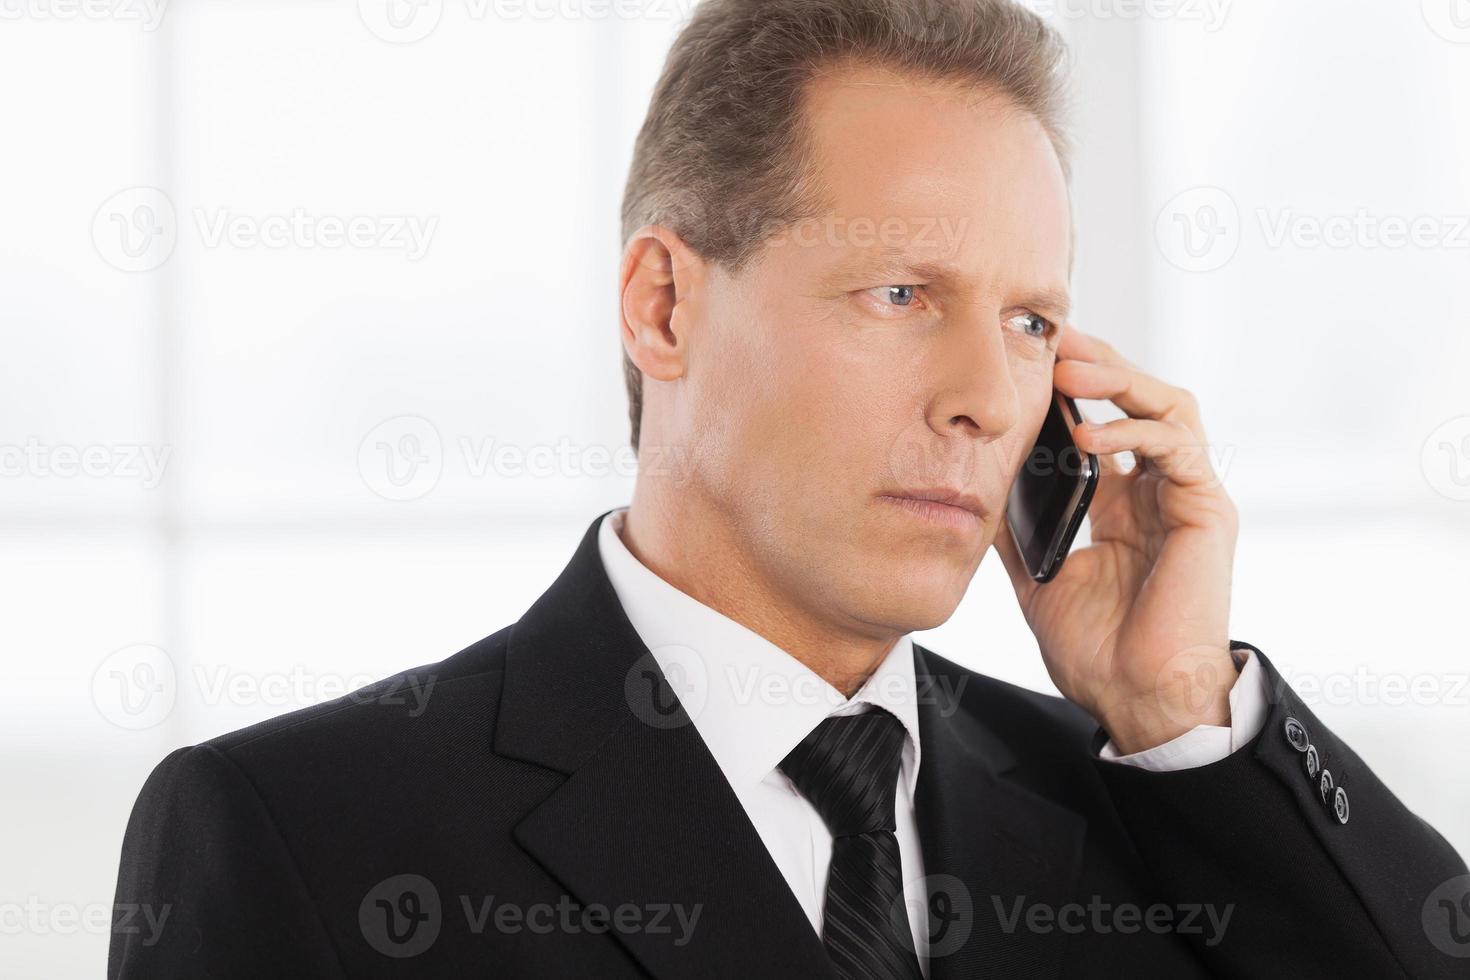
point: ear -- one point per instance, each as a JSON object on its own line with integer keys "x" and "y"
{"x": 660, "y": 286}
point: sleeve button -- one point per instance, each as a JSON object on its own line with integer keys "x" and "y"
{"x": 1325, "y": 786}
{"x": 1296, "y": 734}
{"x": 1340, "y": 805}
{"x": 1312, "y": 762}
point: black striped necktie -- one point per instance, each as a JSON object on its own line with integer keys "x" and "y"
{"x": 847, "y": 768}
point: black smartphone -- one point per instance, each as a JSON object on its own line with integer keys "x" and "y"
{"x": 1051, "y": 493}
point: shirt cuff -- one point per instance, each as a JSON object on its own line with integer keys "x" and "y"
{"x": 1205, "y": 744}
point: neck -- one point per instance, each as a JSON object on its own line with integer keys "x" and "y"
{"x": 689, "y": 544}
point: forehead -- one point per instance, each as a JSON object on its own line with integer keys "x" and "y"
{"x": 931, "y": 154}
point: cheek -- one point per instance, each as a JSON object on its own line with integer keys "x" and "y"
{"x": 774, "y": 394}
{"x": 862, "y": 388}
{"x": 818, "y": 367}
{"x": 1034, "y": 383}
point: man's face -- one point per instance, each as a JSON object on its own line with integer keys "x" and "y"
{"x": 902, "y": 342}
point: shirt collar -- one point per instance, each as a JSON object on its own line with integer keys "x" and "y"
{"x": 750, "y": 701}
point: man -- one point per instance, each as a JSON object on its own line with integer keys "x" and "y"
{"x": 711, "y": 748}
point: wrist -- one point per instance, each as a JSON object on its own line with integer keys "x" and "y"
{"x": 1191, "y": 690}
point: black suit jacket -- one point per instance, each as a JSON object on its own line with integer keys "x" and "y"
{"x": 468, "y": 818}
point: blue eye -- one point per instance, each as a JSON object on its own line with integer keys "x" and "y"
{"x": 898, "y": 295}
{"x": 1034, "y": 326}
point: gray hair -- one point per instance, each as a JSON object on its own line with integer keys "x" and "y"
{"x": 722, "y": 160}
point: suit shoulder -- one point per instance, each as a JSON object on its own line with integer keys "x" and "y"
{"x": 430, "y": 691}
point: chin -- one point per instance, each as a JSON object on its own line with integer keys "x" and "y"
{"x": 916, "y": 599}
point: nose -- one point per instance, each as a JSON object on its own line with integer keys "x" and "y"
{"x": 976, "y": 395}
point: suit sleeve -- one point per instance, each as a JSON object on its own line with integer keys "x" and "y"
{"x": 1317, "y": 882}
{"x": 206, "y": 886}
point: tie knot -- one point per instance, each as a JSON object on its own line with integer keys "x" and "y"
{"x": 847, "y": 768}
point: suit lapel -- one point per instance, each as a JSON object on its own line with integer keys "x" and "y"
{"x": 645, "y": 817}
{"x": 991, "y": 848}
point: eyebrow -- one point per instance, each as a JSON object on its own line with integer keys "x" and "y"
{"x": 893, "y": 262}
{"x": 1055, "y": 303}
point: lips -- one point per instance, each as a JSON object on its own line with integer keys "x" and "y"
{"x": 951, "y": 496}
{"x": 942, "y": 508}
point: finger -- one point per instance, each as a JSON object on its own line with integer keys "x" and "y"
{"x": 1077, "y": 345}
{"x": 1111, "y": 464}
{"x": 1139, "y": 394}
{"x": 1168, "y": 448}
{"x": 1107, "y": 465}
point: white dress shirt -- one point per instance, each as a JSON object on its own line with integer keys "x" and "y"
{"x": 752, "y": 703}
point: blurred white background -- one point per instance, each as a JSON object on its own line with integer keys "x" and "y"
{"x": 311, "y": 373}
